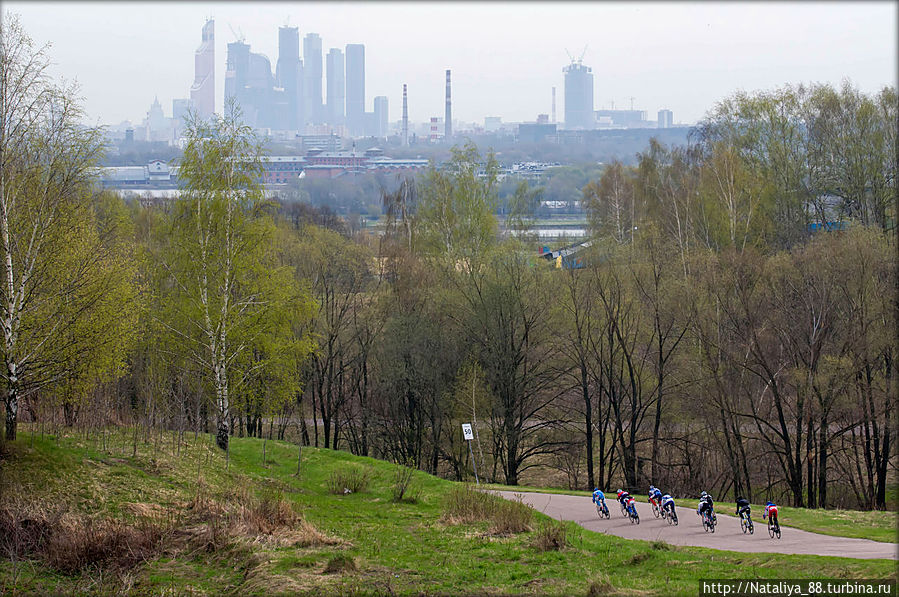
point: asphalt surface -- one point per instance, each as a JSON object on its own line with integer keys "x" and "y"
{"x": 689, "y": 531}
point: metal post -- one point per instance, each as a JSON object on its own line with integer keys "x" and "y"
{"x": 473, "y": 464}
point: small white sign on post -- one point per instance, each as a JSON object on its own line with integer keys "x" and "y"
{"x": 466, "y": 431}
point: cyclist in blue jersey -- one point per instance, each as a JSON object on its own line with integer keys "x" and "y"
{"x": 667, "y": 504}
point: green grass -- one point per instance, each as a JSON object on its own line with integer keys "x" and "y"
{"x": 398, "y": 548}
{"x": 874, "y": 525}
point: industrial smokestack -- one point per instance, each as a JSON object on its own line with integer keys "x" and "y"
{"x": 448, "y": 117}
{"x": 554, "y": 105}
{"x": 405, "y": 118}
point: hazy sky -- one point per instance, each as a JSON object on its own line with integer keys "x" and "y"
{"x": 505, "y": 56}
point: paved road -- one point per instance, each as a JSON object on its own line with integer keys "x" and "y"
{"x": 727, "y": 535}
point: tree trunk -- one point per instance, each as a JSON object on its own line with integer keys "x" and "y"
{"x": 822, "y": 463}
{"x": 222, "y": 436}
{"x": 12, "y": 410}
{"x": 588, "y": 423}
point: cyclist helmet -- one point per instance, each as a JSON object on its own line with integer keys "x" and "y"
{"x": 596, "y": 489}
{"x": 703, "y": 495}
{"x": 769, "y": 503}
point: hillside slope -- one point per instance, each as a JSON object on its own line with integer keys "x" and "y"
{"x": 176, "y": 517}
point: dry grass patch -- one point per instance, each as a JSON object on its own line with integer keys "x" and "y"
{"x": 268, "y": 519}
{"x": 466, "y": 504}
{"x": 145, "y": 510}
{"x": 71, "y": 543}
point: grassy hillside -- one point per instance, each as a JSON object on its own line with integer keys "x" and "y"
{"x": 874, "y": 525}
{"x": 176, "y": 519}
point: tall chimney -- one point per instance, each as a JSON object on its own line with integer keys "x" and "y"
{"x": 554, "y": 105}
{"x": 448, "y": 116}
{"x": 405, "y": 118}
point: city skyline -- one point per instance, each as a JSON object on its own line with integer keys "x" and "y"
{"x": 657, "y": 56}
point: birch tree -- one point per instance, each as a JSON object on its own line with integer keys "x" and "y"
{"x": 56, "y": 264}
{"x": 226, "y": 286}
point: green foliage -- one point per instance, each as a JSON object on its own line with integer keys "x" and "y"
{"x": 67, "y": 297}
{"x": 522, "y": 208}
{"x": 456, "y": 214}
{"x": 238, "y": 312}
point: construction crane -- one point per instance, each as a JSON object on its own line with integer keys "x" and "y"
{"x": 577, "y": 60}
{"x": 238, "y": 35}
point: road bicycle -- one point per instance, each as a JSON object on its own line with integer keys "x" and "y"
{"x": 632, "y": 513}
{"x": 746, "y": 522}
{"x": 708, "y": 522}
{"x": 773, "y": 527}
{"x": 671, "y": 517}
{"x": 602, "y": 510}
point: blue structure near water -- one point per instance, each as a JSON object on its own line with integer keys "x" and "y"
{"x": 827, "y": 226}
{"x": 569, "y": 257}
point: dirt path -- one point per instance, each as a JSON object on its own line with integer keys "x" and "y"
{"x": 727, "y": 535}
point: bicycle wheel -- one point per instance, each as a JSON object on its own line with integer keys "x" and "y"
{"x": 770, "y": 529}
{"x": 623, "y": 511}
{"x": 751, "y": 529}
{"x": 605, "y": 512}
{"x": 655, "y": 510}
{"x": 674, "y": 517}
{"x": 705, "y": 523}
{"x": 777, "y": 530}
{"x": 743, "y": 526}
{"x": 598, "y": 511}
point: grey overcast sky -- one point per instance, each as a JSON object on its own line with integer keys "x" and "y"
{"x": 505, "y": 56}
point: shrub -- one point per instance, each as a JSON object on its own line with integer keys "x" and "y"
{"x": 639, "y": 558}
{"x": 348, "y": 480}
{"x": 404, "y": 487}
{"x": 660, "y": 545}
{"x": 340, "y": 563}
{"x": 512, "y": 517}
{"x": 600, "y": 586}
{"x": 465, "y": 504}
{"x": 551, "y": 536}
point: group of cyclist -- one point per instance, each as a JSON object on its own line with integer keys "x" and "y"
{"x": 664, "y": 503}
